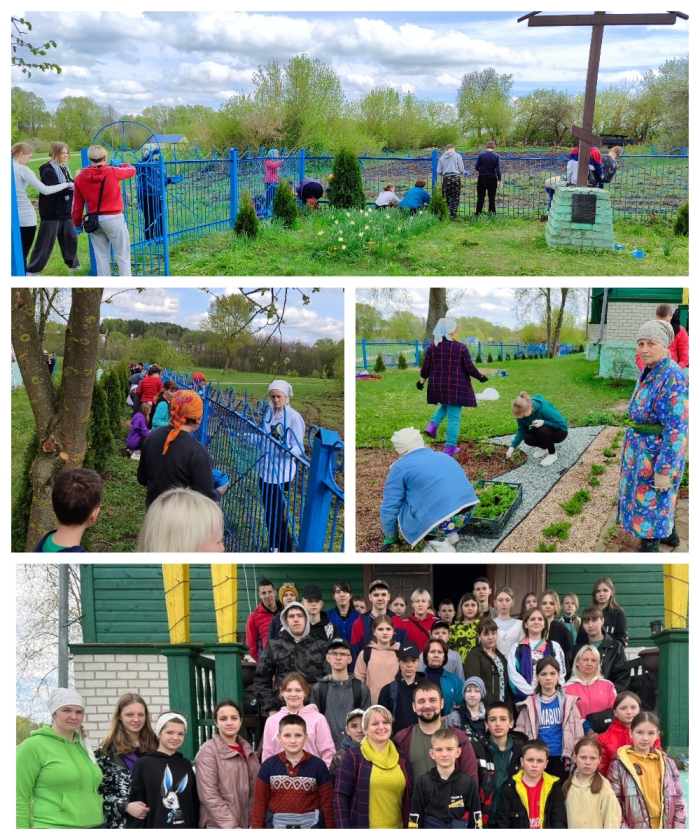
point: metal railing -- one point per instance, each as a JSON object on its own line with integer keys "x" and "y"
{"x": 366, "y": 352}
{"x": 279, "y": 498}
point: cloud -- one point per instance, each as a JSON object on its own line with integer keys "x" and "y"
{"x": 149, "y": 305}
{"x": 209, "y": 75}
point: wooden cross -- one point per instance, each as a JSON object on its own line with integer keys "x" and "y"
{"x": 597, "y": 21}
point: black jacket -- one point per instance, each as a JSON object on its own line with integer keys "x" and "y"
{"x": 185, "y": 464}
{"x": 402, "y": 707}
{"x": 59, "y": 205}
{"x": 614, "y": 624}
{"x": 487, "y": 770}
{"x": 446, "y": 800}
{"x": 613, "y": 662}
{"x": 167, "y": 785}
{"x": 114, "y": 788}
{"x": 479, "y": 664}
{"x": 513, "y": 814}
{"x": 281, "y": 657}
{"x": 558, "y": 633}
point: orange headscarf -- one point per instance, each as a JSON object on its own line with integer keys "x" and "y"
{"x": 184, "y": 405}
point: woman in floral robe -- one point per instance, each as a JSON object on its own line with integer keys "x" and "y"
{"x": 653, "y": 454}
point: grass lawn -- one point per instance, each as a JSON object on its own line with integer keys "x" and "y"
{"x": 423, "y": 247}
{"x": 569, "y": 382}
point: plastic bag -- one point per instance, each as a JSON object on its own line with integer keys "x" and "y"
{"x": 488, "y": 394}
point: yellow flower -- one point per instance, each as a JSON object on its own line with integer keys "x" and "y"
{"x": 352, "y": 223}
{"x": 343, "y": 247}
{"x": 340, "y": 232}
{"x": 340, "y": 239}
{"x": 336, "y": 222}
{"x": 320, "y": 233}
{"x": 398, "y": 229}
{"x": 366, "y": 227}
{"x": 360, "y": 233}
{"x": 348, "y": 215}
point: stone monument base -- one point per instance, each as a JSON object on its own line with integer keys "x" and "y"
{"x": 563, "y": 232}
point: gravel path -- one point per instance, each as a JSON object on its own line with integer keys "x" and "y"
{"x": 537, "y": 481}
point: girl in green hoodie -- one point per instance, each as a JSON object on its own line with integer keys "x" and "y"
{"x": 57, "y": 775}
{"x": 540, "y": 425}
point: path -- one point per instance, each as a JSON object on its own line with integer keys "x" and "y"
{"x": 536, "y": 481}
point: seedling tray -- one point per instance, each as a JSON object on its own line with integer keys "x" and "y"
{"x": 492, "y": 528}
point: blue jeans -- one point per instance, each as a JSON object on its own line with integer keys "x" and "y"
{"x": 454, "y": 415}
{"x": 270, "y": 190}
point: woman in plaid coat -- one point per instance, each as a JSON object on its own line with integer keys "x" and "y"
{"x": 448, "y": 366}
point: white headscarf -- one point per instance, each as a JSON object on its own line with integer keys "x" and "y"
{"x": 406, "y": 440}
{"x": 281, "y": 385}
{"x": 166, "y": 718}
{"x": 444, "y": 329}
{"x": 61, "y": 697}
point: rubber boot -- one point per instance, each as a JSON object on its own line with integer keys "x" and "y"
{"x": 431, "y": 430}
{"x": 648, "y": 546}
{"x": 451, "y": 450}
{"x": 672, "y": 539}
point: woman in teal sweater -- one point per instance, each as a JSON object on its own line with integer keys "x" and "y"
{"x": 57, "y": 775}
{"x": 539, "y": 425}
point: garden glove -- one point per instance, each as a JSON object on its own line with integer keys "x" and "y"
{"x": 420, "y": 385}
{"x": 662, "y": 482}
{"x": 389, "y": 541}
{"x": 537, "y": 423}
{"x": 78, "y": 230}
{"x": 509, "y": 453}
{"x": 483, "y": 379}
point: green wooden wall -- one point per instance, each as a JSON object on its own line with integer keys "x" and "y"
{"x": 639, "y": 590}
{"x": 125, "y": 603}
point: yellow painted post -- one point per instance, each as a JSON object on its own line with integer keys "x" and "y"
{"x": 676, "y": 578}
{"x": 176, "y": 582}
{"x": 685, "y": 298}
{"x": 224, "y": 580}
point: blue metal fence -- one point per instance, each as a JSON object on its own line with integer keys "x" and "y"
{"x": 171, "y": 199}
{"x": 279, "y": 498}
{"x": 366, "y": 352}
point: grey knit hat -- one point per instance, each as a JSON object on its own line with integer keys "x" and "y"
{"x": 659, "y": 331}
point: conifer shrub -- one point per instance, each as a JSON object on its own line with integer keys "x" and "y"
{"x": 100, "y": 438}
{"x": 489, "y": 358}
{"x": 478, "y": 359}
{"x": 284, "y": 205}
{"x": 247, "y": 222}
{"x": 402, "y": 364}
{"x": 347, "y": 191}
{"x": 379, "y": 366}
{"x": 680, "y": 226}
{"x": 438, "y": 204}
{"x": 112, "y": 388}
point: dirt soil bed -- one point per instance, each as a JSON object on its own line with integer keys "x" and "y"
{"x": 587, "y": 526}
{"x": 372, "y": 466}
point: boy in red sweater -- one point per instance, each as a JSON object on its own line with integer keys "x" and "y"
{"x": 294, "y": 788}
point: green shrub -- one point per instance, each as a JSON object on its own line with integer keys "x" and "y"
{"x": 438, "y": 204}
{"x": 685, "y": 480}
{"x": 597, "y": 469}
{"x": 609, "y": 452}
{"x": 575, "y": 504}
{"x": 680, "y": 226}
{"x": 507, "y": 357}
{"x": 402, "y": 364}
{"x": 499, "y": 358}
{"x": 284, "y": 205}
{"x": 247, "y": 222}
{"x": 379, "y": 366}
{"x": 100, "y": 439}
{"x": 347, "y": 190}
{"x": 112, "y": 388}
{"x": 560, "y": 530}
{"x": 489, "y": 358}
{"x": 123, "y": 374}
{"x": 478, "y": 360}
{"x": 581, "y": 348}
{"x": 546, "y": 547}
{"x": 421, "y": 358}
{"x": 22, "y": 505}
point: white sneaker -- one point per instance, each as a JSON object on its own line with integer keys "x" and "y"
{"x": 550, "y": 459}
{"x": 538, "y": 453}
{"x": 136, "y": 456}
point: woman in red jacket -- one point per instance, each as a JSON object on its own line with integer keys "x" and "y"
{"x": 626, "y": 707}
{"x": 112, "y": 230}
{"x": 678, "y": 349}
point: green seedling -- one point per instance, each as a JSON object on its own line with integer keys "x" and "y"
{"x": 609, "y": 453}
{"x": 560, "y": 530}
{"x": 597, "y": 469}
{"x": 546, "y": 547}
{"x": 593, "y": 481}
{"x": 494, "y": 500}
{"x": 575, "y": 504}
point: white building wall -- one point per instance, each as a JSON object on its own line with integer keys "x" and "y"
{"x": 102, "y": 678}
{"x": 624, "y": 320}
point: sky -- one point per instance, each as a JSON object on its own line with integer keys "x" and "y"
{"x": 134, "y": 59}
{"x": 322, "y": 318}
{"x": 493, "y": 304}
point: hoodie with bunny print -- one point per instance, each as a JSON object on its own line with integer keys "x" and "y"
{"x": 167, "y": 785}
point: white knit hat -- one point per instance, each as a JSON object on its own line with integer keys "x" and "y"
{"x": 406, "y": 440}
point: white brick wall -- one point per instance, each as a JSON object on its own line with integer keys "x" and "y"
{"x": 103, "y": 678}
{"x": 624, "y": 320}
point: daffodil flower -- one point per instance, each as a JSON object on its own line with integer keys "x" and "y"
{"x": 340, "y": 239}
{"x": 336, "y": 222}
{"x": 360, "y": 233}
{"x": 352, "y": 223}
{"x": 343, "y": 247}
{"x": 366, "y": 227}
{"x": 320, "y": 233}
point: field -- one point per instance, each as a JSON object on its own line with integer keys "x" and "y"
{"x": 568, "y": 382}
{"x": 123, "y": 504}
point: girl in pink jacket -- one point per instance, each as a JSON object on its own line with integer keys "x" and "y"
{"x": 294, "y": 690}
{"x": 378, "y": 664}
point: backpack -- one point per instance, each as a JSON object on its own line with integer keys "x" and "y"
{"x": 323, "y": 687}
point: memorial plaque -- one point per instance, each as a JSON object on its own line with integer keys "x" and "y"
{"x": 583, "y": 209}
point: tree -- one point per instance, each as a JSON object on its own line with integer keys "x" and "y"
{"x": 547, "y": 306}
{"x": 404, "y": 326}
{"x": 61, "y": 416}
{"x": 77, "y": 119}
{"x": 437, "y": 308}
{"x": 19, "y": 45}
{"x": 348, "y": 191}
{"x": 367, "y": 321}
{"x": 483, "y": 102}
{"x": 29, "y": 112}
{"x": 230, "y": 317}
